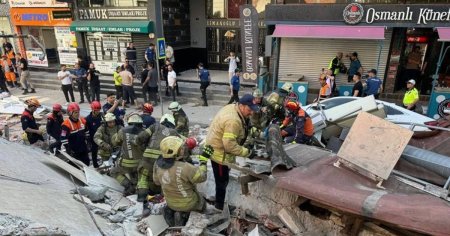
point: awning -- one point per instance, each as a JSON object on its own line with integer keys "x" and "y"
{"x": 329, "y": 32}
{"x": 444, "y": 34}
{"x": 112, "y": 26}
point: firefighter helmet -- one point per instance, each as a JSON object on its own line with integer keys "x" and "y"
{"x": 147, "y": 107}
{"x": 96, "y": 106}
{"x": 170, "y": 146}
{"x": 191, "y": 143}
{"x": 73, "y": 107}
{"x": 135, "y": 119}
{"x": 33, "y": 102}
{"x": 292, "y": 106}
{"x": 167, "y": 118}
{"x": 110, "y": 117}
{"x": 287, "y": 87}
{"x": 257, "y": 93}
{"x": 174, "y": 106}
{"x": 57, "y": 107}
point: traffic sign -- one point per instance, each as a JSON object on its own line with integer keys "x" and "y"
{"x": 161, "y": 48}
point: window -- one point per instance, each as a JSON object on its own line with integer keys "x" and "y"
{"x": 111, "y": 3}
{"x": 107, "y": 47}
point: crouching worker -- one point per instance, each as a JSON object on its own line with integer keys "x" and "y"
{"x": 131, "y": 154}
{"x": 178, "y": 181}
{"x": 297, "y": 127}
{"x": 104, "y": 134}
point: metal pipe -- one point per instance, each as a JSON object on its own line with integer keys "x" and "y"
{"x": 432, "y": 161}
{"x": 422, "y": 125}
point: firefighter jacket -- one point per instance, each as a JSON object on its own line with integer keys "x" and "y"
{"x": 227, "y": 133}
{"x": 131, "y": 153}
{"x": 181, "y": 122}
{"x": 260, "y": 119}
{"x": 303, "y": 124}
{"x": 92, "y": 124}
{"x": 151, "y": 139}
{"x": 103, "y": 135}
{"x": 74, "y": 135}
{"x": 53, "y": 126}
{"x": 178, "y": 184}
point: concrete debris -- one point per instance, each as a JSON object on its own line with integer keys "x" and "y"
{"x": 224, "y": 221}
{"x": 153, "y": 225}
{"x": 98, "y": 208}
{"x": 134, "y": 211}
{"x": 13, "y": 225}
{"x": 130, "y": 228}
{"x": 119, "y": 217}
{"x": 196, "y": 224}
{"x": 291, "y": 221}
{"x": 272, "y": 223}
{"x": 94, "y": 193}
{"x": 96, "y": 179}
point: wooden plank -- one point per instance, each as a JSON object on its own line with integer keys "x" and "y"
{"x": 374, "y": 144}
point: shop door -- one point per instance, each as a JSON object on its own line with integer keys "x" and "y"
{"x": 48, "y": 34}
{"x": 220, "y": 43}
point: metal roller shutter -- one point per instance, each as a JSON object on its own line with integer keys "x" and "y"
{"x": 308, "y": 56}
{"x": 141, "y": 42}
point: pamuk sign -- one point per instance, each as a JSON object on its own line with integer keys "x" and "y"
{"x": 354, "y": 13}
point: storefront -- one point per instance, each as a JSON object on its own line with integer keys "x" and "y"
{"x": 50, "y": 26}
{"x": 106, "y": 33}
{"x": 223, "y": 30}
{"x": 5, "y": 26}
{"x": 383, "y": 35}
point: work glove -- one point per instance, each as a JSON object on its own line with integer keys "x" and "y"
{"x": 203, "y": 160}
{"x": 106, "y": 146}
{"x": 207, "y": 151}
{"x": 251, "y": 154}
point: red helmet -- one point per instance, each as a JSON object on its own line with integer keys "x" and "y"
{"x": 191, "y": 143}
{"x": 73, "y": 107}
{"x": 292, "y": 106}
{"x": 57, "y": 107}
{"x": 147, "y": 107}
{"x": 96, "y": 106}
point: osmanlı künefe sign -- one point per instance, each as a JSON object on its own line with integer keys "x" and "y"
{"x": 249, "y": 41}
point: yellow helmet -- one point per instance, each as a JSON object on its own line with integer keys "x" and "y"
{"x": 170, "y": 147}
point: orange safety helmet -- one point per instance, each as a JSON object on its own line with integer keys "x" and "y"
{"x": 33, "y": 102}
{"x": 96, "y": 106}
{"x": 57, "y": 107}
{"x": 191, "y": 143}
{"x": 292, "y": 106}
{"x": 73, "y": 107}
{"x": 147, "y": 107}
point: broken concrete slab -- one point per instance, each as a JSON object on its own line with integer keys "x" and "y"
{"x": 154, "y": 225}
{"x": 291, "y": 221}
{"x": 36, "y": 229}
{"x": 76, "y": 173}
{"x": 119, "y": 217}
{"x": 96, "y": 179}
{"x": 135, "y": 210}
{"x": 93, "y": 193}
{"x": 14, "y": 225}
{"x": 130, "y": 228}
{"x": 105, "y": 208}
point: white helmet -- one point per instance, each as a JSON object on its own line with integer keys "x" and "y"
{"x": 169, "y": 118}
{"x": 110, "y": 117}
{"x": 287, "y": 87}
{"x": 174, "y": 106}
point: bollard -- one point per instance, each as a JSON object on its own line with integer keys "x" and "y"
{"x": 7, "y": 132}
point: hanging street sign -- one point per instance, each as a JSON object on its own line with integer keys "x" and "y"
{"x": 161, "y": 48}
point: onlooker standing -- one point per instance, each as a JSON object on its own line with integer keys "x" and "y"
{"x": 80, "y": 76}
{"x": 411, "y": 96}
{"x": 127, "y": 85}
{"x": 413, "y": 64}
{"x": 66, "y": 81}
{"x": 3, "y": 87}
{"x": 83, "y": 63}
{"x": 127, "y": 65}
{"x": 330, "y": 79}
{"x": 151, "y": 82}
{"x": 24, "y": 74}
{"x": 112, "y": 106}
{"x": 150, "y": 53}
{"x": 374, "y": 84}
{"x": 131, "y": 54}
{"x": 336, "y": 64}
{"x": 235, "y": 86}
{"x": 170, "y": 54}
{"x": 325, "y": 90}
{"x": 172, "y": 81}
{"x": 357, "y": 90}
{"x": 232, "y": 60}
{"x": 205, "y": 79}
{"x": 164, "y": 72}
{"x": 6, "y": 44}
{"x": 355, "y": 65}
{"x": 94, "y": 82}
{"x": 118, "y": 83}
{"x": 144, "y": 75}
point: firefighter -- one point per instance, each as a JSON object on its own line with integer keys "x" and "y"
{"x": 29, "y": 125}
{"x": 226, "y": 136}
{"x": 276, "y": 100}
{"x": 104, "y": 134}
{"x": 181, "y": 119}
{"x": 259, "y": 120}
{"x": 93, "y": 122}
{"x": 146, "y": 116}
{"x": 131, "y": 154}
{"x": 74, "y": 134}
{"x": 151, "y": 139}
{"x": 178, "y": 181}
{"x": 297, "y": 127}
{"x": 54, "y": 122}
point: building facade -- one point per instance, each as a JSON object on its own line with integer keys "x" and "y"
{"x": 383, "y": 33}
{"x": 5, "y": 24}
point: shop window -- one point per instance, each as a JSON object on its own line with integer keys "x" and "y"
{"x": 107, "y": 47}
{"x": 233, "y": 8}
{"x": 216, "y": 8}
{"x": 260, "y": 6}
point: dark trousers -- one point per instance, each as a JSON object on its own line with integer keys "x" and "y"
{"x": 178, "y": 91}
{"x": 82, "y": 156}
{"x": 153, "y": 94}
{"x": 3, "y": 86}
{"x": 55, "y": 145}
{"x": 235, "y": 97}
{"x": 83, "y": 89}
{"x": 350, "y": 78}
{"x": 95, "y": 92}
{"x": 94, "y": 153}
{"x": 221, "y": 177}
{"x": 128, "y": 94}
{"x": 173, "y": 92}
{"x": 167, "y": 86}
{"x": 203, "y": 86}
{"x": 119, "y": 91}
{"x": 67, "y": 88}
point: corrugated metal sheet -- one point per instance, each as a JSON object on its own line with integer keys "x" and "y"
{"x": 308, "y": 56}
{"x": 141, "y": 42}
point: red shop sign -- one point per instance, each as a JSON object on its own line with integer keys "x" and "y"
{"x": 417, "y": 39}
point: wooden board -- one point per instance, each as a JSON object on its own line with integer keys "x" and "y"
{"x": 374, "y": 144}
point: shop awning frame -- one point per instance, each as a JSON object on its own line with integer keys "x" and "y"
{"x": 329, "y": 32}
{"x": 139, "y": 26}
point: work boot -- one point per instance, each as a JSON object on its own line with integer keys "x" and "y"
{"x": 25, "y": 91}
{"x": 142, "y": 194}
{"x": 33, "y": 91}
{"x": 181, "y": 218}
{"x": 146, "y": 211}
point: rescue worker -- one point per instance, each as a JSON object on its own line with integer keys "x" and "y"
{"x": 226, "y": 136}
{"x": 259, "y": 120}
{"x": 29, "y": 125}
{"x": 181, "y": 119}
{"x": 205, "y": 79}
{"x": 54, "y": 122}
{"x": 325, "y": 90}
{"x": 411, "y": 97}
{"x": 74, "y": 135}
{"x": 336, "y": 64}
{"x": 146, "y": 116}
{"x": 275, "y": 103}
{"x": 9, "y": 71}
{"x": 131, "y": 154}
{"x": 297, "y": 127}
{"x": 151, "y": 139}
{"x": 93, "y": 122}
{"x": 104, "y": 134}
{"x": 178, "y": 181}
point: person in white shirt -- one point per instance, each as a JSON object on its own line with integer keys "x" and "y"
{"x": 170, "y": 54}
{"x": 172, "y": 81}
{"x": 66, "y": 83}
{"x": 232, "y": 60}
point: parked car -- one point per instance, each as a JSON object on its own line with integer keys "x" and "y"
{"x": 394, "y": 113}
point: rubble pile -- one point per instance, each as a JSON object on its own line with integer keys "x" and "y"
{"x": 13, "y": 225}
